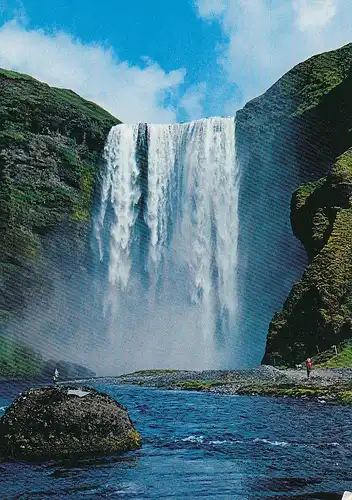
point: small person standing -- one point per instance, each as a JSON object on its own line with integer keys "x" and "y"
{"x": 56, "y": 375}
{"x": 309, "y": 366}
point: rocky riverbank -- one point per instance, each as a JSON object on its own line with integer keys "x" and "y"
{"x": 334, "y": 384}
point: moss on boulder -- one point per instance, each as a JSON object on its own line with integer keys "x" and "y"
{"x": 17, "y": 360}
{"x": 59, "y": 422}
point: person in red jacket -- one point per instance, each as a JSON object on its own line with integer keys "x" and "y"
{"x": 309, "y": 366}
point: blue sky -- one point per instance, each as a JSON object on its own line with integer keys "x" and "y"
{"x": 166, "y": 61}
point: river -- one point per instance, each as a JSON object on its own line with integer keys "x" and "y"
{"x": 202, "y": 445}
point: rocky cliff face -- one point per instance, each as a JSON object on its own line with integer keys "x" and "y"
{"x": 314, "y": 140}
{"x": 318, "y": 311}
{"x": 51, "y": 142}
{"x": 288, "y": 136}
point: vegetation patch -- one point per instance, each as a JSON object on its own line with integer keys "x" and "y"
{"x": 17, "y": 360}
{"x": 197, "y": 385}
{"x": 51, "y": 143}
{"x": 333, "y": 393}
{"x": 345, "y": 397}
{"x": 342, "y": 360}
{"x": 149, "y": 372}
{"x": 341, "y": 171}
{"x": 305, "y": 191}
{"x": 318, "y": 311}
{"x": 14, "y": 75}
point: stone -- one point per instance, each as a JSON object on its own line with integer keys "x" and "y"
{"x": 64, "y": 422}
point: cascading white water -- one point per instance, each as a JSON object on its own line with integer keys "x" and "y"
{"x": 121, "y": 182}
{"x": 172, "y": 260}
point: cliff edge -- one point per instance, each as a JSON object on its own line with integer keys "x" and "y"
{"x": 51, "y": 142}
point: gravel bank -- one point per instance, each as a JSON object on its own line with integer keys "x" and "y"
{"x": 332, "y": 384}
{"x": 262, "y": 374}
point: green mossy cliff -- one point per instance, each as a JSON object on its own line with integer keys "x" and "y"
{"x": 318, "y": 311}
{"x": 304, "y": 120}
{"x": 286, "y": 137}
{"x": 51, "y": 142}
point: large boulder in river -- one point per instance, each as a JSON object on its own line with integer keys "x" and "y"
{"x": 58, "y": 422}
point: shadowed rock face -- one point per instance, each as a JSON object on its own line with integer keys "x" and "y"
{"x": 318, "y": 311}
{"x": 289, "y": 136}
{"x": 56, "y": 422}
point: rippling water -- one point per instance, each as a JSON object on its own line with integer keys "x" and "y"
{"x": 198, "y": 445}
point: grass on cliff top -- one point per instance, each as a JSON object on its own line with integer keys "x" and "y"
{"x": 304, "y": 86}
{"x": 69, "y": 97}
{"x": 341, "y": 171}
{"x": 75, "y": 100}
{"x": 342, "y": 360}
{"x": 319, "y": 75}
{"x": 14, "y": 75}
{"x": 17, "y": 360}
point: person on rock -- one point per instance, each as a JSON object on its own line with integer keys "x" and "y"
{"x": 308, "y": 366}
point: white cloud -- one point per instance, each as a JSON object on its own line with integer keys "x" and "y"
{"x": 192, "y": 101}
{"x": 312, "y": 14}
{"x": 131, "y": 93}
{"x": 266, "y": 38}
{"x": 210, "y": 8}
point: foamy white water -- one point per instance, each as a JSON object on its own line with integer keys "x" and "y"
{"x": 181, "y": 310}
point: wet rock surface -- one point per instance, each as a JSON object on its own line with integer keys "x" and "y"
{"x": 65, "y": 421}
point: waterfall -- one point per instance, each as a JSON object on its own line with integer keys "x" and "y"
{"x": 167, "y": 231}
